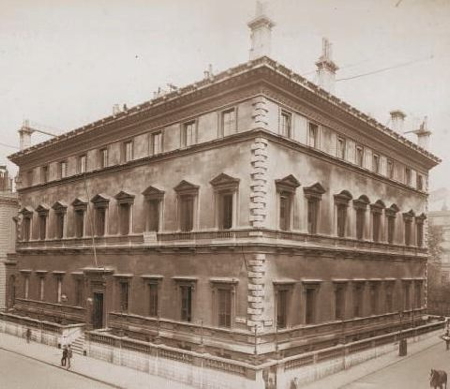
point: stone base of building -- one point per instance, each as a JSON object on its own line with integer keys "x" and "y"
{"x": 203, "y": 370}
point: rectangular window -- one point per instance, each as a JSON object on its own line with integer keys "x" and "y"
{"x": 156, "y": 143}
{"x": 45, "y": 174}
{"x": 82, "y": 164}
{"x": 41, "y": 288}
{"x": 310, "y": 306}
{"x": 374, "y": 299}
{"x": 186, "y": 212}
{"x": 418, "y": 295}
{"x": 63, "y": 169}
{"x": 408, "y": 227}
{"x": 30, "y": 177}
{"x": 224, "y": 306}
{"x": 26, "y": 286}
{"x": 391, "y": 229}
{"x": 79, "y": 223}
{"x": 226, "y": 211}
{"x": 124, "y": 290}
{"x": 60, "y": 225}
{"x": 419, "y": 183}
{"x": 26, "y": 228}
{"x": 339, "y": 305}
{"x": 406, "y": 296}
{"x": 42, "y": 226}
{"x": 285, "y": 124}
{"x": 360, "y": 156}
{"x": 375, "y": 163}
{"x": 103, "y": 158}
{"x": 313, "y": 134}
{"x": 419, "y": 233}
{"x": 79, "y": 292}
{"x": 340, "y": 147}
{"x": 341, "y": 220}
{"x": 100, "y": 221}
{"x": 228, "y": 122}
{"x": 128, "y": 151}
{"x": 124, "y": 217}
{"x": 408, "y": 176}
{"x": 282, "y": 302}
{"x": 186, "y": 303}
{"x": 188, "y": 135}
{"x": 153, "y": 215}
{"x": 376, "y": 220}
{"x": 313, "y": 208}
{"x": 389, "y": 299}
{"x": 358, "y": 298}
{"x": 390, "y": 169}
{"x": 153, "y": 299}
{"x": 285, "y": 211}
{"x": 360, "y": 223}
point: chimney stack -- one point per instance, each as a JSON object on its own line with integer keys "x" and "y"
{"x": 116, "y": 109}
{"x": 25, "y": 135}
{"x": 398, "y": 120}
{"x": 326, "y": 68}
{"x": 261, "y": 32}
{"x": 423, "y": 134}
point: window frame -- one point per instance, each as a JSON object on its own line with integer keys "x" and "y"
{"x": 181, "y": 284}
{"x": 62, "y": 167}
{"x": 228, "y": 127}
{"x": 285, "y": 123}
{"x": 185, "y": 139}
{"x": 128, "y": 151}
{"x": 186, "y": 191}
{"x": 103, "y": 157}
{"x": 82, "y": 164}
{"x": 310, "y": 311}
{"x": 341, "y": 147}
{"x": 340, "y": 298}
{"x": 376, "y": 163}
{"x": 156, "y": 147}
{"x": 359, "y": 156}
{"x": 313, "y": 129}
{"x": 152, "y": 194}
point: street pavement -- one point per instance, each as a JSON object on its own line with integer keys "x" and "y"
{"x": 95, "y": 371}
{"x": 19, "y": 372}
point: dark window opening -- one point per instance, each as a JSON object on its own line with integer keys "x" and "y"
{"x": 186, "y": 303}
{"x": 224, "y": 297}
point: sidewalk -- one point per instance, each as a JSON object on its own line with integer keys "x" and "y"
{"x": 346, "y": 377}
{"x": 104, "y": 372}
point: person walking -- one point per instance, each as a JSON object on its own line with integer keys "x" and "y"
{"x": 64, "y": 356}
{"x": 69, "y": 356}
{"x": 28, "y": 335}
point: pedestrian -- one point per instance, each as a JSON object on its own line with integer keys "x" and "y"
{"x": 64, "y": 356}
{"x": 28, "y": 335}
{"x": 446, "y": 338}
{"x": 69, "y": 356}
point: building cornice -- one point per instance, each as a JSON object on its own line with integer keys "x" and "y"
{"x": 286, "y": 78}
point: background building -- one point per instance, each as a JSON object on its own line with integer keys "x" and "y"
{"x": 251, "y": 215}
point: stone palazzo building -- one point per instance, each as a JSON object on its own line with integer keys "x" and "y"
{"x": 251, "y": 215}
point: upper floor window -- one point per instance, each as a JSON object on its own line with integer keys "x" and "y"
{"x": 377, "y": 210}
{"x": 60, "y": 214}
{"x": 313, "y": 195}
{"x": 153, "y": 200}
{"x": 156, "y": 143}
{"x": 286, "y": 188}
{"x": 313, "y": 135}
{"x": 418, "y": 294}
{"x": 225, "y": 188}
{"x": 27, "y": 217}
{"x": 391, "y": 214}
{"x": 341, "y": 200}
{"x": 63, "y": 169}
{"x": 340, "y": 289}
{"x": 360, "y": 156}
{"x": 30, "y": 177}
{"x": 128, "y": 151}
{"x": 408, "y": 175}
{"x": 375, "y": 163}
{"x": 358, "y": 299}
{"x": 187, "y": 197}
{"x": 285, "y": 124}
{"x": 42, "y": 211}
{"x": 228, "y": 122}
{"x": 419, "y": 229}
{"x": 360, "y": 206}
{"x": 45, "y": 174}
{"x": 79, "y": 207}
{"x": 101, "y": 205}
{"x": 407, "y": 219}
{"x": 373, "y": 298}
{"x": 389, "y": 296}
{"x": 419, "y": 183}
{"x": 82, "y": 164}
{"x": 310, "y": 303}
{"x": 125, "y": 201}
{"x": 282, "y": 293}
{"x": 124, "y": 288}
{"x": 341, "y": 145}
{"x": 406, "y": 295}
{"x": 390, "y": 169}
{"x": 189, "y": 133}
{"x": 103, "y": 157}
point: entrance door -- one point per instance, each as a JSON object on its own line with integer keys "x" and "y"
{"x": 97, "y": 311}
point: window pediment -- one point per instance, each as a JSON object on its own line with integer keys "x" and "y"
{"x": 26, "y": 211}
{"x": 124, "y": 197}
{"x": 407, "y": 216}
{"x": 59, "y": 206}
{"x": 185, "y": 187}
{"x": 421, "y": 218}
{"x": 287, "y": 184}
{"x": 361, "y": 202}
{"x": 42, "y": 208}
{"x": 79, "y": 203}
{"x": 224, "y": 181}
{"x": 314, "y": 191}
{"x": 392, "y": 210}
{"x": 100, "y": 201}
{"x": 153, "y": 193}
{"x": 343, "y": 198}
{"x": 377, "y": 207}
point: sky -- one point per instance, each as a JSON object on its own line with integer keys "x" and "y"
{"x": 64, "y": 64}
